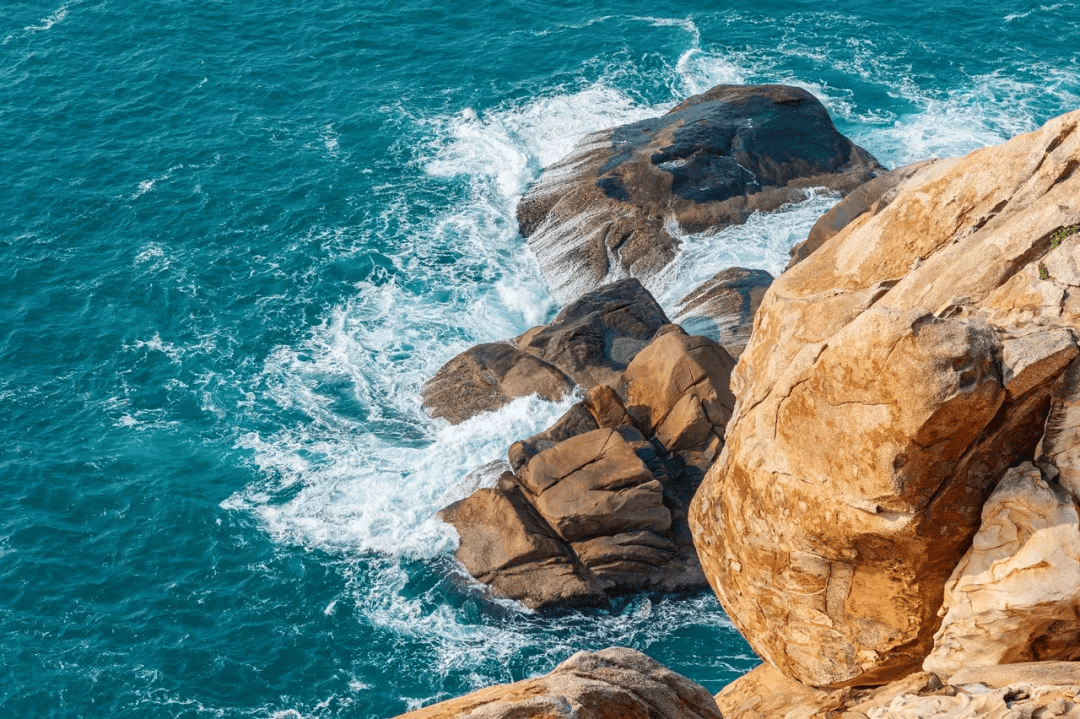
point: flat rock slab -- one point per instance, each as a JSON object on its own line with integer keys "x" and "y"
{"x": 1058, "y": 674}
{"x": 710, "y": 162}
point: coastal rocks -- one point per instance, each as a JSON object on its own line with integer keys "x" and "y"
{"x": 1015, "y": 596}
{"x": 615, "y": 683}
{"x": 604, "y": 211}
{"x": 588, "y": 343}
{"x": 485, "y": 377}
{"x": 1036, "y": 690}
{"x": 892, "y": 378}
{"x": 595, "y": 337}
{"x": 597, "y": 504}
{"x": 723, "y": 307}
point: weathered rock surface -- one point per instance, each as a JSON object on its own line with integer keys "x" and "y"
{"x": 708, "y": 163}
{"x": 485, "y": 377}
{"x": 892, "y": 378}
{"x": 1014, "y": 691}
{"x": 1015, "y": 596}
{"x": 869, "y": 198}
{"x": 597, "y": 504}
{"x": 723, "y": 307}
{"x": 594, "y": 338}
{"x": 614, "y": 683}
{"x": 765, "y": 693}
{"x": 588, "y": 343}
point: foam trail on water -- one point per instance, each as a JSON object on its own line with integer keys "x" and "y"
{"x": 761, "y": 243}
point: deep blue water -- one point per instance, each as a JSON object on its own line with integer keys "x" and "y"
{"x": 236, "y": 237}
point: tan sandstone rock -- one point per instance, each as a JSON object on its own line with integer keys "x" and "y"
{"x": 869, "y": 198}
{"x": 1015, "y": 596}
{"x": 892, "y": 378}
{"x": 614, "y": 683}
{"x": 1034, "y": 690}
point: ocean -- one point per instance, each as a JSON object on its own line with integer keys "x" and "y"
{"x": 237, "y": 237}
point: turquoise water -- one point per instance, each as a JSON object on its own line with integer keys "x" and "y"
{"x": 238, "y": 236}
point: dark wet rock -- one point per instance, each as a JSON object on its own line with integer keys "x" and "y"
{"x": 594, "y": 338}
{"x": 710, "y": 162}
{"x": 867, "y": 199}
{"x": 723, "y": 307}
{"x": 487, "y": 376}
{"x": 589, "y": 343}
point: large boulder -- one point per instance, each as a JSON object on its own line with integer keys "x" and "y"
{"x": 597, "y": 504}
{"x": 588, "y": 343}
{"x": 603, "y": 211}
{"x": 596, "y": 336}
{"x": 723, "y": 307}
{"x": 615, "y": 683}
{"x": 892, "y": 378}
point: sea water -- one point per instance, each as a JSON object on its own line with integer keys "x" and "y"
{"x": 237, "y": 237}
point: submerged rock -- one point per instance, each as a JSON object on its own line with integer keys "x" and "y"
{"x": 892, "y": 379}
{"x": 613, "y": 683}
{"x": 710, "y": 162}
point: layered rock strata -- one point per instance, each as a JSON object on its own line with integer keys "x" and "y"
{"x": 588, "y": 343}
{"x": 611, "y": 207}
{"x": 1015, "y": 596}
{"x": 614, "y": 683}
{"x": 596, "y": 504}
{"x": 892, "y": 378}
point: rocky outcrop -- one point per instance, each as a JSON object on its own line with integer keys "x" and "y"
{"x": 1015, "y": 596}
{"x": 892, "y": 378}
{"x": 723, "y": 307}
{"x": 485, "y": 377}
{"x": 614, "y": 683}
{"x": 596, "y": 505}
{"x": 869, "y": 198}
{"x": 1017, "y": 691}
{"x": 603, "y": 211}
{"x": 588, "y": 343}
{"x": 596, "y": 336}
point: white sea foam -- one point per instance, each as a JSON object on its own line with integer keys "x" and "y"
{"x": 762, "y": 243}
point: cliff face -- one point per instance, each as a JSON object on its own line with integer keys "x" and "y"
{"x": 891, "y": 380}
